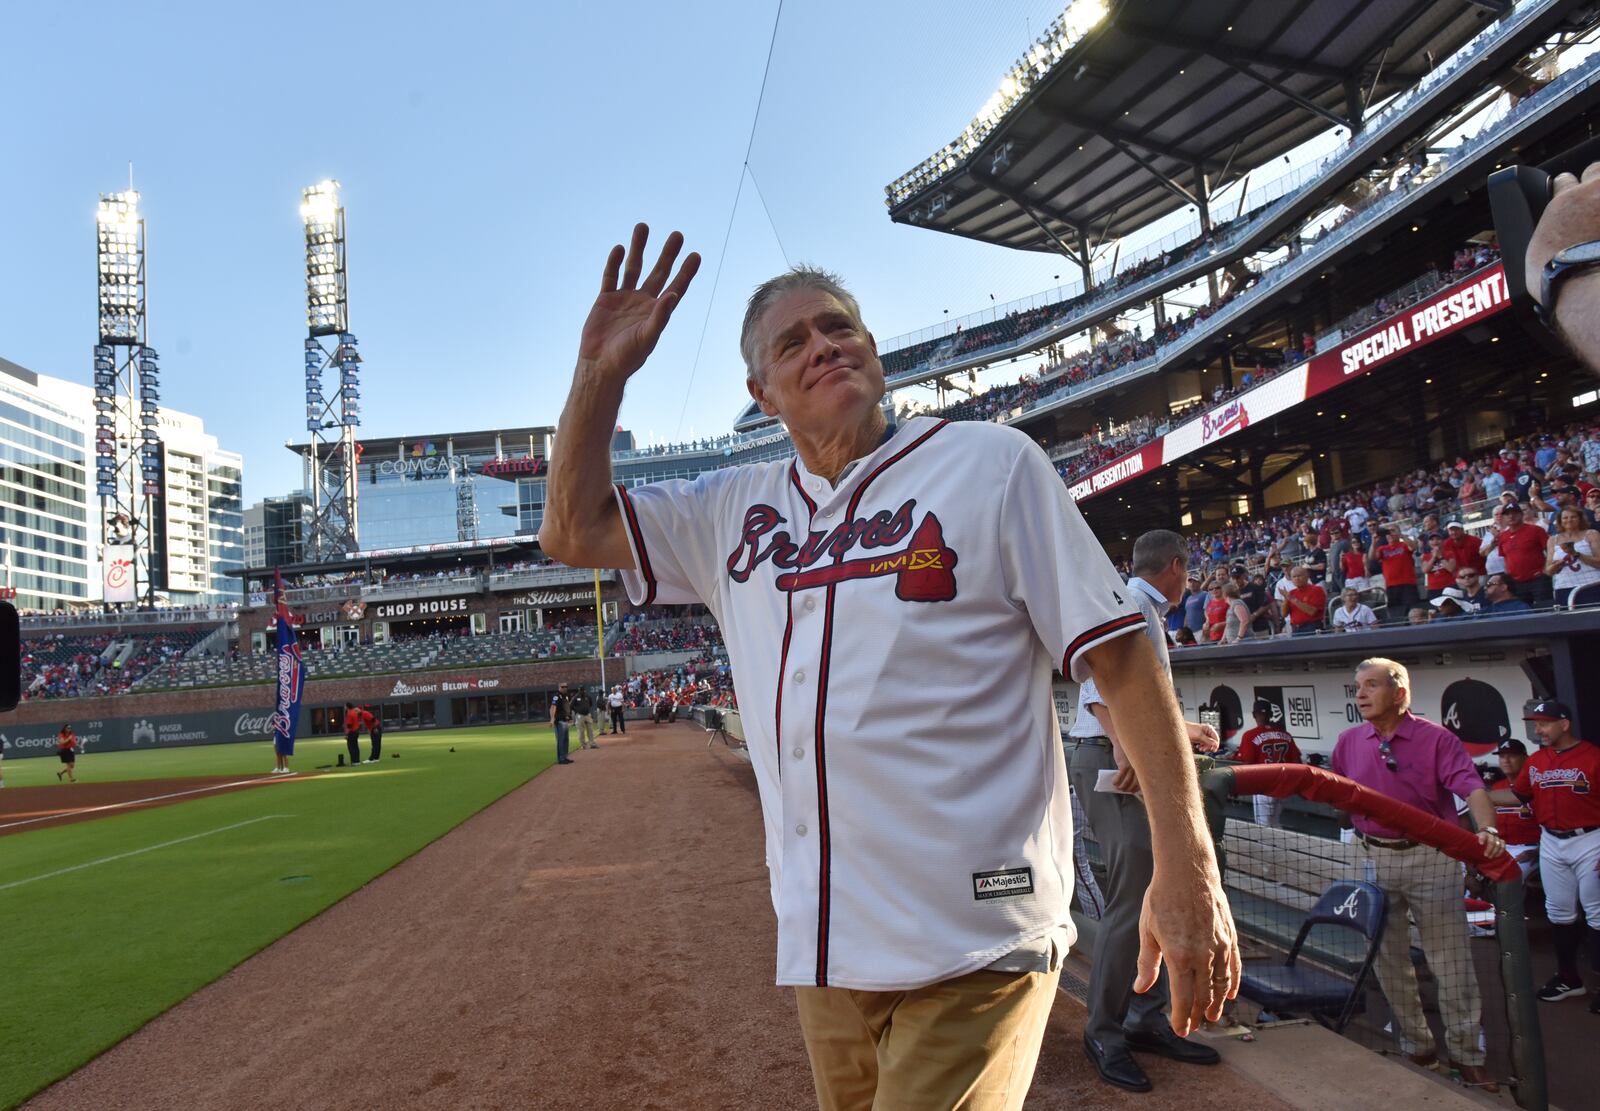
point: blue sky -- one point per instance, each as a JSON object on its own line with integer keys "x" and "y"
{"x": 489, "y": 155}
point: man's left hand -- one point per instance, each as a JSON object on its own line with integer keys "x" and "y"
{"x": 1202, "y": 738}
{"x": 1186, "y": 923}
{"x": 1492, "y": 845}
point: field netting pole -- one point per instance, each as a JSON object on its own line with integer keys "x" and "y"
{"x": 1522, "y": 1009}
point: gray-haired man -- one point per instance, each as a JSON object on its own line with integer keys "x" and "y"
{"x": 1119, "y": 1020}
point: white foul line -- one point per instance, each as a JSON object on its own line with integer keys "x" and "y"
{"x": 137, "y": 802}
{"x": 136, "y": 852}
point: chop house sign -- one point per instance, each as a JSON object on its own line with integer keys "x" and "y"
{"x": 422, "y": 607}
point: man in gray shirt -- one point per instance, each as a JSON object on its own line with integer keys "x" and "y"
{"x": 1121, "y": 1023}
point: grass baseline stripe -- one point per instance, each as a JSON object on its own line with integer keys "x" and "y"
{"x": 136, "y": 852}
{"x": 140, "y": 802}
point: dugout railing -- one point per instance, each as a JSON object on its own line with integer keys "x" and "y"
{"x": 1274, "y": 876}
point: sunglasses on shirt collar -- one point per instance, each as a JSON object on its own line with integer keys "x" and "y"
{"x": 1387, "y": 752}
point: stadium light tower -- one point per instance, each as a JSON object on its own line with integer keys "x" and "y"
{"x": 332, "y": 455}
{"x": 127, "y": 396}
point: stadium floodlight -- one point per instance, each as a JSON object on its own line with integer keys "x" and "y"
{"x": 325, "y": 273}
{"x": 119, "y": 239}
{"x": 332, "y": 456}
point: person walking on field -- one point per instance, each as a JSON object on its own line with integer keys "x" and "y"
{"x": 374, "y": 729}
{"x": 921, "y": 883}
{"x": 582, "y": 706}
{"x": 619, "y": 721}
{"x": 67, "y": 745}
{"x": 352, "y": 732}
{"x": 1120, "y": 1022}
{"x": 560, "y": 721}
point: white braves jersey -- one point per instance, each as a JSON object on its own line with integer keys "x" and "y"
{"x": 892, "y": 642}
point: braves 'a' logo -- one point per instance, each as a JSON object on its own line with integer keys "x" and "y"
{"x": 1351, "y": 907}
{"x": 924, "y": 570}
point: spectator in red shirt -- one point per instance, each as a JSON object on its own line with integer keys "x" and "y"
{"x": 1523, "y": 547}
{"x": 1461, "y": 548}
{"x": 1506, "y": 465}
{"x": 1440, "y": 571}
{"x": 1353, "y": 564}
{"x": 1216, "y": 615}
{"x": 1307, "y": 603}
{"x": 1398, "y": 556}
{"x": 1268, "y": 743}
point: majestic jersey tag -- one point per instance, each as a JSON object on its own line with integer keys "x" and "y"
{"x": 1002, "y": 884}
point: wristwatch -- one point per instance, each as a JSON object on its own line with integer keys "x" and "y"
{"x": 1490, "y": 829}
{"x": 1566, "y": 262}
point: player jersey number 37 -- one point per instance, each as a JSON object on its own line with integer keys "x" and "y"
{"x": 892, "y": 641}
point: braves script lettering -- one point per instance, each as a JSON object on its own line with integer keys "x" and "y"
{"x": 288, "y": 680}
{"x": 923, "y": 570}
{"x": 878, "y": 531}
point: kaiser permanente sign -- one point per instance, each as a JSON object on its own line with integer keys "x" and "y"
{"x": 1473, "y": 299}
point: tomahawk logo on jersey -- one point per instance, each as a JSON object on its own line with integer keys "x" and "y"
{"x": 892, "y": 637}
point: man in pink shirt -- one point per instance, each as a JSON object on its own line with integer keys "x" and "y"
{"x": 1424, "y": 765}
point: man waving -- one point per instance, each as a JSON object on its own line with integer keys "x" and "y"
{"x": 919, "y": 858}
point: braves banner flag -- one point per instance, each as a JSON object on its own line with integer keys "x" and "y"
{"x": 291, "y": 675}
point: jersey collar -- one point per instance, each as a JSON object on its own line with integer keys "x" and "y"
{"x": 1150, "y": 592}
{"x": 893, "y": 435}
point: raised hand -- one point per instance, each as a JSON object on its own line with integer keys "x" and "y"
{"x": 628, "y": 316}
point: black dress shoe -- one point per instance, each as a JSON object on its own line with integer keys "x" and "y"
{"x": 563, "y": 761}
{"x": 1116, "y": 1066}
{"x": 1168, "y": 1044}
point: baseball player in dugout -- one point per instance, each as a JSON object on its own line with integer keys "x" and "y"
{"x": 1558, "y": 783}
{"x": 918, "y": 849}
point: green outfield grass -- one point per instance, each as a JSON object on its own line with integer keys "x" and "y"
{"x": 90, "y": 954}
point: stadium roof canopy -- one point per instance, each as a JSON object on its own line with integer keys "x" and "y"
{"x": 1118, "y": 117}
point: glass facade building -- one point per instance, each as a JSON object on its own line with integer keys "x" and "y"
{"x": 417, "y": 490}
{"x": 45, "y": 542}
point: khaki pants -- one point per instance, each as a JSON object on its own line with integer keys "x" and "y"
{"x": 1425, "y": 883}
{"x": 586, "y": 730}
{"x": 970, "y": 1043}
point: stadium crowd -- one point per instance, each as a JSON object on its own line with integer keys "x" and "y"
{"x": 65, "y": 666}
{"x": 1098, "y": 446}
{"x": 1402, "y": 547}
{"x": 1021, "y": 323}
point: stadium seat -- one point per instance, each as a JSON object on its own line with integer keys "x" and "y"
{"x": 1296, "y": 987}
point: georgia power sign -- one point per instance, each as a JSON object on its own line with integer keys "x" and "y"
{"x": 1456, "y": 307}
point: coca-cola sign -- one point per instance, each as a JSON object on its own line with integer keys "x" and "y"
{"x": 253, "y": 725}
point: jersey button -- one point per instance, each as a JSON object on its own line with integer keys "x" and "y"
{"x": 799, "y": 677}
{"x": 811, "y": 604}
{"x": 801, "y": 830}
{"x": 799, "y": 753}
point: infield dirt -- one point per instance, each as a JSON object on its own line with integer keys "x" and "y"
{"x": 28, "y": 808}
{"x": 602, "y": 937}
